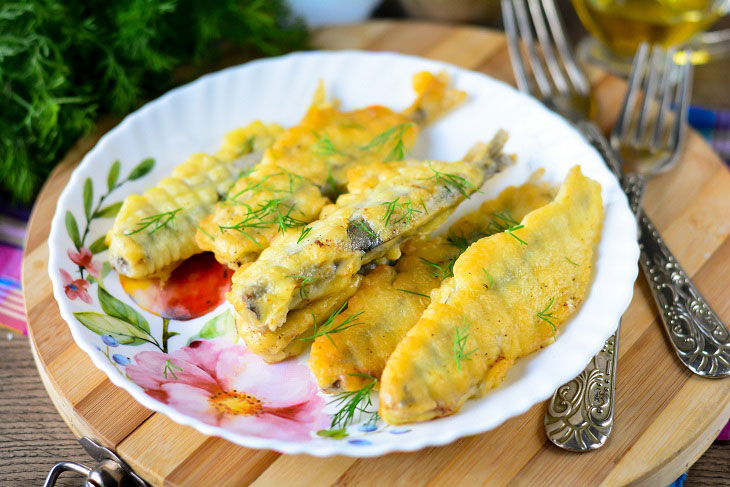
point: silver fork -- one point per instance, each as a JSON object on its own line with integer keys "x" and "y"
{"x": 650, "y": 133}
{"x": 580, "y": 414}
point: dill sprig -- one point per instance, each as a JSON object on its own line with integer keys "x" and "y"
{"x": 489, "y": 276}
{"x": 508, "y": 224}
{"x": 450, "y": 180}
{"x": 65, "y": 64}
{"x": 547, "y": 317}
{"x": 570, "y": 261}
{"x": 414, "y": 292}
{"x": 303, "y": 235}
{"x": 395, "y": 133}
{"x": 392, "y": 206}
{"x": 329, "y": 327}
{"x": 462, "y": 335}
{"x": 361, "y": 225}
{"x": 458, "y": 241}
{"x": 269, "y": 213}
{"x": 256, "y": 187}
{"x": 304, "y": 281}
{"x": 324, "y": 146}
{"x": 423, "y": 205}
{"x": 161, "y": 220}
{"x": 350, "y": 403}
{"x": 205, "y": 233}
{"x": 441, "y": 271}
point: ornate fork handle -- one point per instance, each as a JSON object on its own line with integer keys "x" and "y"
{"x": 700, "y": 339}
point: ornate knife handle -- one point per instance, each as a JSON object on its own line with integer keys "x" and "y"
{"x": 580, "y": 414}
{"x": 700, "y": 339}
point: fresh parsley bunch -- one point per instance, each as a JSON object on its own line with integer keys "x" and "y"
{"x": 64, "y": 62}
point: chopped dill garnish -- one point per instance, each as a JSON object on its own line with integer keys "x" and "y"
{"x": 255, "y": 188}
{"x": 328, "y": 327}
{"x": 324, "y": 146}
{"x": 462, "y": 335}
{"x": 425, "y": 210}
{"x": 205, "y": 233}
{"x": 512, "y": 229}
{"x": 458, "y": 241}
{"x": 305, "y": 232}
{"x": 160, "y": 220}
{"x": 304, "y": 282}
{"x": 391, "y": 207}
{"x": 414, "y": 292}
{"x": 447, "y": 270}
{"x": 489, "y": 276}
{"x": 331, "y": 180}
{"x": 545, "y": 316}
{"x": 168, "y": 369}
{"x": 450, "y": 180}
{"x": 577, "y": 265}
{"x": 361, "y": 225}
{"x": 396, "y": 132}
{"x": 268, "y": 213}
{"x": 352, "y": 402}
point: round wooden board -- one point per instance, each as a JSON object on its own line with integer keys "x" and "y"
{"x": 665, "y": 416}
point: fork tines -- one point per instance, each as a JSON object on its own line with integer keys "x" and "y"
{"x": 550, "y": 59}
{"x": 657, "y": 101}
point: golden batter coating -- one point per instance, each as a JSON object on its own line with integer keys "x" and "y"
{"x": 187, "y": 196}
{"x": 509, "y": 293}
{"x": 392, "y": 298}
{"x": 416, "y": 198}
{"x": 309, "y": 163}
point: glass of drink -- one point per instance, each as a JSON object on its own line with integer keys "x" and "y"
{"x": 619, "y": 26}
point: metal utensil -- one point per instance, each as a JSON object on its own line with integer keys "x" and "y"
{"x": 580, "y": 414}
{"x": 650, "y": 133}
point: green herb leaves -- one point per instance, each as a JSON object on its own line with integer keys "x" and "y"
{"x": 161, "y": 220}
{"x": 452, "y": 182}
{"x": 406, "y": 208}
{"x": 394, "y": 133}
{"x": 329, "y": 328}
{"x": 460, "y": 338}
{"x": 352, "y": 402}
{"x": 546, "y": 316}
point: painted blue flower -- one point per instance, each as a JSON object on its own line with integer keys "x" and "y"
{"x": 399, "y": 431}
{"x": 367, "y": 428}
{"x": 121, "y": 359}
{"x": 110, "y": 340}
{"x": 359, "y": 442}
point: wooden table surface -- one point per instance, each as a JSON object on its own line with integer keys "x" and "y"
{"x": 32, "y": 436}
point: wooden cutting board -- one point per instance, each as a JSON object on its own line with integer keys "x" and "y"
{"x": 665, "y": 416}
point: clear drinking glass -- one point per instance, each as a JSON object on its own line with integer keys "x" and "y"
{"x": 619, "y": 26}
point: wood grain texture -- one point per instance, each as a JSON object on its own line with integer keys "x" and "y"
{"x": 665, "y": 417}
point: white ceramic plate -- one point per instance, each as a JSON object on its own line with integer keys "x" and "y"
{"x": 194, "y": 118}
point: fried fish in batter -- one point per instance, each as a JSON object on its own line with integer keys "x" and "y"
{"x": 364, "y": 227}
{"x": 191, "y": 193}
{"x": 309, "y": 163}
{"x": 391, "y": 299}
{"x": 509, "y": 293}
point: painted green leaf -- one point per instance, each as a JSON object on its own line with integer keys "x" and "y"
{"x": 88, "y": 196}
{"x": 222, "y": 325}
{"x": 122, "y": 331}
{"x": 99, "y": 245}
{"x": 335, "y": 434}
{"x": 117, "y": 309}
{"x": 113, "y": 176}
{"x": 142, "y": 169}
{"x": 106, "y": 268}
{"x": 73, "y": 229}
{"x": 109, "y": 211}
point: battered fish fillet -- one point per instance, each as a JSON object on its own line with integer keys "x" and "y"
{"x": 477, "y": 325}
{"x": 391, "y": 299}
{"x": 189, "y": 194}
{"x": 416, "y": 197}
{"x": 309, "y": 164}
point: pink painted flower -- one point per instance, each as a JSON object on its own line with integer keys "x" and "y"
{"x": 84, "y": 259}
{"x": 75, "y": 288}
{"x": 226, "y": 385}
